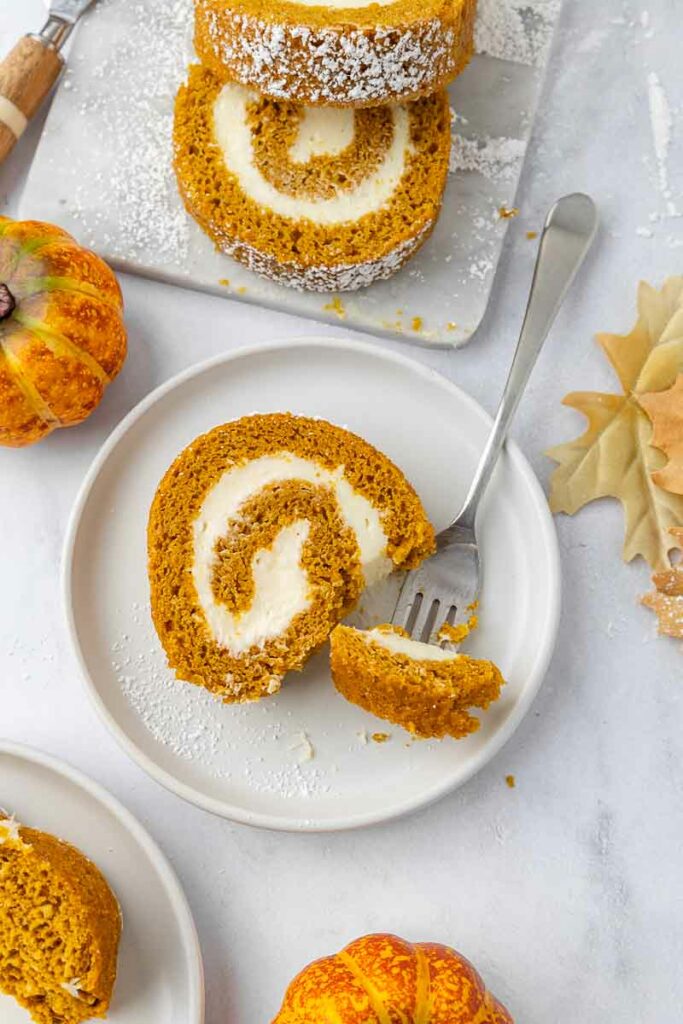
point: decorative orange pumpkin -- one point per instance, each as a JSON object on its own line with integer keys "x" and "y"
{"x": 62, "y": 338}
{"x": 382, "y": 979}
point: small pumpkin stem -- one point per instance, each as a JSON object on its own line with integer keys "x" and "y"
{"x": 7, "y": 302}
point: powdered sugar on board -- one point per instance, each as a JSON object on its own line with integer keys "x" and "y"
{"x": 142, "y": 188}
{"x": 515, "y": 30}
{"x": 496, "y": 159}
{"x": 104, "y": 171}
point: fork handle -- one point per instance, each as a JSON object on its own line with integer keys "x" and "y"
{"x": 568, "y": 232}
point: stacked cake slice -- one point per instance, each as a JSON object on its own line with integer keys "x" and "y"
{"x": 312, "y": 142}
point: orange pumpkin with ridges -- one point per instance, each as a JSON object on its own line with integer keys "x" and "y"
{"x": 62, "y": 337}
{"x": 381, "y": 979}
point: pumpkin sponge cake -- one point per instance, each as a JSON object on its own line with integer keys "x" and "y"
{"x": 339, "y": 52}
{"x": 59, "y": 928}
{"x": 315, "y": 198}
{"x": 423, "y": 688}
{"x": 261, "y": 537}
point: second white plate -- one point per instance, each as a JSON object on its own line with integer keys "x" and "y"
{"x": 160, "y": 969}
{"x": 247, "y": 762}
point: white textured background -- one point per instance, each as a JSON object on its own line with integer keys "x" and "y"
{"x": 566, "y": 892}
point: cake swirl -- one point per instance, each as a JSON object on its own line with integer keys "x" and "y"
{"x": 262, "y": 535}
{"x": 324, "y": 199}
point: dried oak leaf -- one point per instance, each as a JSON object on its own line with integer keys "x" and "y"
{"x": 665, "y": 409}
{"x": 614, "y": 457}
{"x": 667, "y": 598}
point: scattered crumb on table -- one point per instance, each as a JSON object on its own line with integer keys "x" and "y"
{"x": 381, "y": 737}
{"x": 531, "y": 235}
{"x": 506, "y": 213}
{"x": 225, "y": 281}
{"x": 511, "y": 781}
{"x": 336, "y": 306}
{"x": 416, "y": 323}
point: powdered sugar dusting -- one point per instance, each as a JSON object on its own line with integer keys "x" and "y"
{"x": 661, "y": 122}
{"x": 340, "y": 277}
{"x": 498, "y": 159}
{"x": 515, "y": 30}
{"x": 141, "y": 189}
{"x": 226, "y": 741}
{"x": 328, "y": 64}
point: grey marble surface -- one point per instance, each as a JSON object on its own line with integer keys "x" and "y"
{"x": 566, "y": 890}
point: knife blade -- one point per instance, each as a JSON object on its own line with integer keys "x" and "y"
{"x": 30, "y": 70}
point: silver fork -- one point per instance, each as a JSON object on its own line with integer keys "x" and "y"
{"x": 446, "y": 587}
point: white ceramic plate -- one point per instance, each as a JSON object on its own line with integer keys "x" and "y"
{"x": 160, "y": 974}
{"x": 246, "y": 762}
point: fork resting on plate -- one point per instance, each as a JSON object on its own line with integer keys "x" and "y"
{"x": 445, "y": 588}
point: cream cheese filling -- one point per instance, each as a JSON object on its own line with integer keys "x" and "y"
{"x": 9, "y": 830}
{"x": 397, "y": 644}
{"x": 321, "y": 132}
{"x": 281, "y": 586}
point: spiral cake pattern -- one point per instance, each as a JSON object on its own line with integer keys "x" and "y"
{"x": 322, "y": 199}
{"x": 262, "y": 535}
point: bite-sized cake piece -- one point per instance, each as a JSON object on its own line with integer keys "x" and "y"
{"x": 426, "y": 689}
{"x": 319, "y": 199}
{"x": 261, "y": 537}
{"x": 60, "y": 925}
{"x": 340, "y": 53}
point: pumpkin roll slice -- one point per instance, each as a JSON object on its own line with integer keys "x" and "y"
{"x": 262, "y": 535}
{"x": 425, "y": 689}
{"x": 319, "y": 199}
{"x": 342, "y": 53}
{"x": 60, "y": 925}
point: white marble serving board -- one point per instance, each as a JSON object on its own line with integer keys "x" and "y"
{"x": 103, "y": 169}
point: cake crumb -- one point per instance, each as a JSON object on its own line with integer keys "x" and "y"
{"x": 416, "y": 323}
{"x": 507, "y": 213}
{"x": 450, "y": 326}
{"x": 511, "y": 781}
{"x": 456, "y": 634}
{"x": 225, "y": 282}
{"x": 531, "y": 235}
{"x": 381, "y": 737}
{"x": 336, "y": 306}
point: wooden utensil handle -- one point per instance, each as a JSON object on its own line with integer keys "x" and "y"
{"x": 26, "y": 76}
